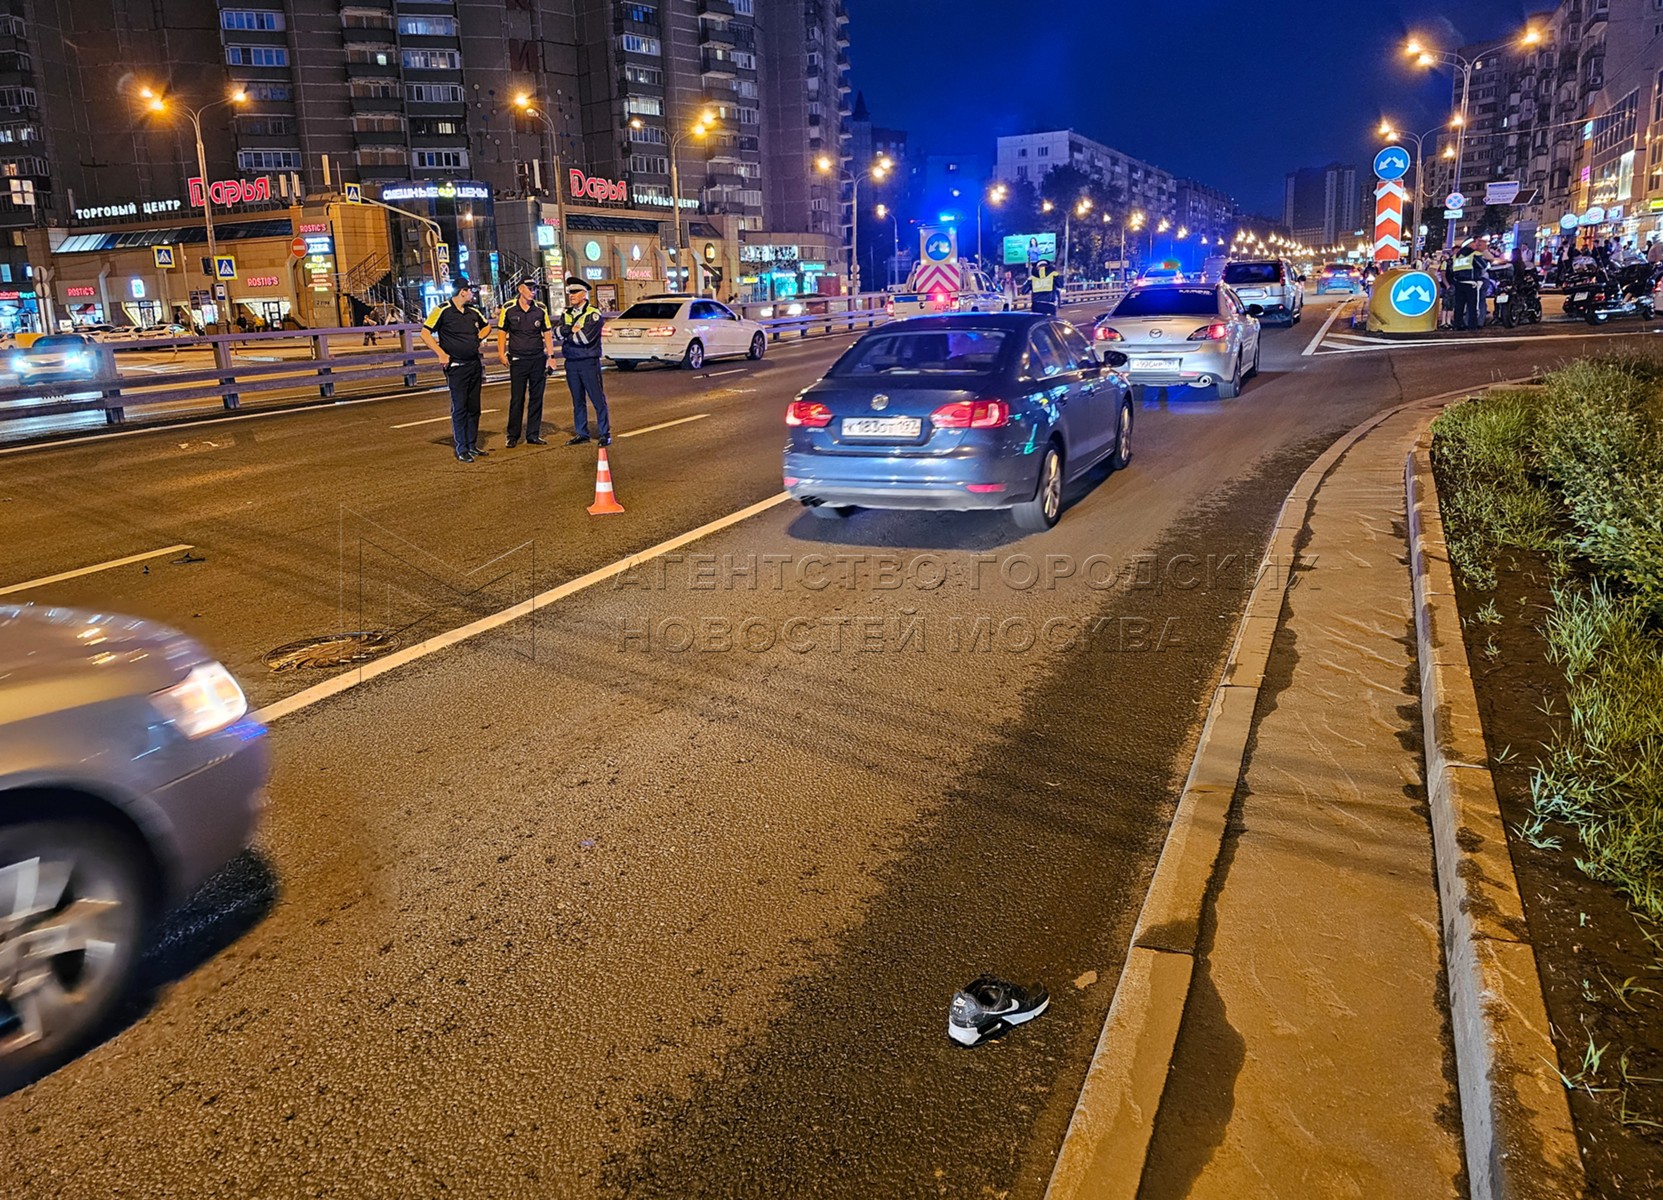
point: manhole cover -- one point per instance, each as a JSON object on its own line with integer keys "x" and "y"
{"x": 331, "y": 650}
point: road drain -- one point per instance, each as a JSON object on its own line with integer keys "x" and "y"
{"x": 331, "y": 650}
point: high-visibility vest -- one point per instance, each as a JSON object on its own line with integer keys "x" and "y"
{"x": 1045, "y": 281}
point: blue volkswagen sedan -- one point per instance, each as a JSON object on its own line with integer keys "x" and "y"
{"x": 971, "y": 410}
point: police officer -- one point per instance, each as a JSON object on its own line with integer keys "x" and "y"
{"x": 580, "y": 336}
{"x": 1466, "y": 276}
{"x": 1043, "y": 284}
{"x": 525, "y": 345}
{"x": 453, "y": 331}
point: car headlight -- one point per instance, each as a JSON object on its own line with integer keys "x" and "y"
{"x": 204, "y": 702}
{"x": 20, "y": 362}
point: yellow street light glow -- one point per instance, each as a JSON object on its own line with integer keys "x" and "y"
{"x": 1532, "y": 37}
{"x": 635, "y": 123}
{"x": 823, "y": 163}
{"x": 522, "y": 100}
{"x": 156, "y": 104}
{"x": 1414, "y": 47}
{"x": 1046, "y": 207}
{"x": 238, "y": 96}
{"x": 883, "y": 210}
{"x": 1426, "y": 60}
{"x": 708, "y": 117}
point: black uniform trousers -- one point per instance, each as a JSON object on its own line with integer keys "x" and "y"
{"x": 527, "y": 376}
{"x": 464, "y": 377}
{"x": 583, "y": 377}
{"x": 1045, "y": 302}
{"x": 1469, "y": 308}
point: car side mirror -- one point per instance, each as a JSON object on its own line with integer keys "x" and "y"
{"x": 1115, "y": 358}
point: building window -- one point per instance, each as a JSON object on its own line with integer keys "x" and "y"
{"x": 257, "y": 56}
{"x": 646, "y": 106}
{"x": 250, "y": 18}
{"x": 18, "y": 97}
{"x": 437, "y": 127}
{"x": 265, "y": 126}
{"x": 1045, "y": 152}
{"x": 280, "y": 92}
{"x": 641, "y": 14}
{"x": 440, "y": 160}
{"x": 377, "y": 123}
{"x": 380, "y": 156}
{"x": 427, "y": 26}
{"x": 381, "y": 56}
{"x": 432, "y": 60}
{"x": 743, "y": 60}
{"x": 651, "y": 76}
{"x": 647, "y": 135}
{"x": 433, "y": 93}
{"x": 652, "y": 191}
{"x": 366, "y": 19}
{"x": 746, "y": 88}
{"x": 634, "y": 43}
{"x": 744, "y": 8}
{"x": 649, "y": 164}
{"x": 376, "y": 89}
{"x": 268, "y": 160}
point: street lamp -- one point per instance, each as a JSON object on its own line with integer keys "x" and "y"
{"x": 883, "y": 210}
{"x": 524, "y": 104}
{"x": 995, "y": 196}
{"x": 156, "y": 103}
{"x": 1425, "y": 57}
{"x": 876, "y": 172}
{"x": 701, "y": 127}
{"x": 1392, "y": 134}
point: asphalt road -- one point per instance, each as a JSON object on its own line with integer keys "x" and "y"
{"x": 667, "y": 895}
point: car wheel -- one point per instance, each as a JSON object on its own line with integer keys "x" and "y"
{"x": 1253, "y": 371}
{"x": 759, "y": 347}
{"x": 1040, "y": 513}
{"x": 626, "y": 364}
{"x": 1229, "y": 389}
{"x": 693, "y": 359}
{"x": 1122, "y": 438}
{"x": 832, "y": 512}
{"x": 73, "y": 907}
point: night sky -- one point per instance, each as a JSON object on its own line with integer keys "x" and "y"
{"x": 1184, "y": 84}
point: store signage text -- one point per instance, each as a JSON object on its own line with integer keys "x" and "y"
{"x": 231, "y": 191}
{"x": 76, "y": 293}
{"x": 653, "y": 201}
{"x": 614, "y": 190}
{"x": 149, "y": 208}
{"x": 261, "y": 281}
{"x": 437, "y": 191}
{"x": 315, "y": 227}
{"x": 762, "y": 254}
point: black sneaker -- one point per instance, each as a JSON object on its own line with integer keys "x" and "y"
{"x": 576, "y": 441}
{"x": 512, "y": 442}
{"x": 467, "y": 458}
{"x": 605, "y": 441}
{"x": 989, "y": 1006}
{"x": 480, "y": 452}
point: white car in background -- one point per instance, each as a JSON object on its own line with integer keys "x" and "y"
{"x": 686, "y": 330}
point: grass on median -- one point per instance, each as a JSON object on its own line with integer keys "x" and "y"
{"x": 1575, "y": 470}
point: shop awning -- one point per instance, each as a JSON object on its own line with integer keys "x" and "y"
{"x": 588, "y": 224}
{"x": 87, "y": 243}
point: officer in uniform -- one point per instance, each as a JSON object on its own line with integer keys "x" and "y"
{"x": 1466, "y": 281}
{"x": 525, "y": 345}
{"x": 1043, "y": 284}
{"x": 580, "y": 336}
{"x": 453, "y": 331}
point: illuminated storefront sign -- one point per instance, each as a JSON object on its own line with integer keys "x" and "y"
{"x": 436, "y": 191}
{"x": 80, "y": 293}
{"x": 231, "y": 191}
{"x": 261, "y": 281}
{"x": 314, "y": 227}
{"x": 609, "y": 190}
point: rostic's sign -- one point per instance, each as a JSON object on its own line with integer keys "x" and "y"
{"x": 230, "y": 191}
{"x": 610, "y": 190}
{"x": 261, "y": 281}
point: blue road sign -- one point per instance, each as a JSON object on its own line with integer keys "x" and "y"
{"x": 164, "y": 256}
{"x": 225, "y": 267}
{"x": 353, "y": 192}
{"x": 1391, "y": 163}
{"x": 1414, "y": 294}
{"x": 938, "y": 247}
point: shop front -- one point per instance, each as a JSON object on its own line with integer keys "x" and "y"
{"x": 464, "y": 210}
{"x": 19, "y": 310}
{"x": 781, "y": 270}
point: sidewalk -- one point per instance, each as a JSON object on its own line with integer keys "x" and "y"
{"x": 1314, "y": 1058}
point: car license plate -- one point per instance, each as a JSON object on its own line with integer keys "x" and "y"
{"x": 1160, "y": 364}
{"x": 882, "y": 427}
{"x": 626, "y": 333}
{"x": 1501, "y": 297}
{"x": 1579, "y": 296}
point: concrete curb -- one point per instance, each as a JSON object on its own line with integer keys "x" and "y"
{"x": 1515, "y": 1114}
{"x": 1107, "y": 1143}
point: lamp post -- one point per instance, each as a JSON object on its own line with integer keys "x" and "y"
{"x": 876, "y": 172}
{"x": 883, "y": 210}
{"x": 524, "y": 104}
{"x": 1429, "y": 58}
{"x": 1392, "y": 134}
{"x": 158, "y": 104}
{"x": 705, "y": 123}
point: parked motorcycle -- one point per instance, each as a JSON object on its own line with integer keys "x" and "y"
{"x": 1519, "y": 302}
{"x": 1624, "y": 292}
{"x": 1580, "y": 286}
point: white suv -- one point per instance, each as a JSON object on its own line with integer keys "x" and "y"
{"x": 1269, "y": 288}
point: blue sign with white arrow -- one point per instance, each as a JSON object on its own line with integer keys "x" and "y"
{"x": 1391, "y": 163}
{"x": 938, "y": 247}
{"x": 1414, "y": 294}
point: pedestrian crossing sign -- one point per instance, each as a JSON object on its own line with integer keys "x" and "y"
{"x": 353, "y": 192}
{"x": 225, "y": 266}
{"x": 442, "y": 249}
{"x": 164, "y": 257}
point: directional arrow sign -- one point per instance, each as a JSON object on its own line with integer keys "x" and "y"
{"x": 1414, "y": 294}
{"x": 1391, "y": 163}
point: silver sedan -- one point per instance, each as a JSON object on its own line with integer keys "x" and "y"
{"x": 1193, "y": 336}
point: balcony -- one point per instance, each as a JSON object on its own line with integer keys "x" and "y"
{"x": 367, "y": 104}
{"x": 716, "y": 33}
{"x": 720, "y": 68}
{"x": 720, "y": 10}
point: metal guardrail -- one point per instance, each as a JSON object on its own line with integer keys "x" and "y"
{"x": 229, "y": 381}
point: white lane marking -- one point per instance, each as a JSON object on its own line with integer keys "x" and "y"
{"x": 103, "y": 566}
{"x": 714, "y": 374}
{"x": 665, "y": 425}
{"x": 436, "y": 420}
{"x": 1486, "y": 341}
{"x": 381, "y": 666}
{"x": 1326, "y": 326}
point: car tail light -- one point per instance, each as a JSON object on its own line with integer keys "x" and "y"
{"x": 889, "y": 307}
{"x": 1105, "y": 334}
{"x": 972, "y": 414}
{"x": 662, "y": 331}
{"x": 809, "y": 413}
{"x": 1218, "y": 331}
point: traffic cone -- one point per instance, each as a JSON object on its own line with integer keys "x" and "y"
{"x": 605, "y": 500}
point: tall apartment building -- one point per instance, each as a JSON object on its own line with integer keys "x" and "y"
{"x": 1030, "y": 156}
{"x": 418, "y": 97}
{"x": 1205, "y": 211}
{"x": 1323, "y": 205}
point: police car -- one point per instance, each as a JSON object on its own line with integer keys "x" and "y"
{"x": 976, "y": 293}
